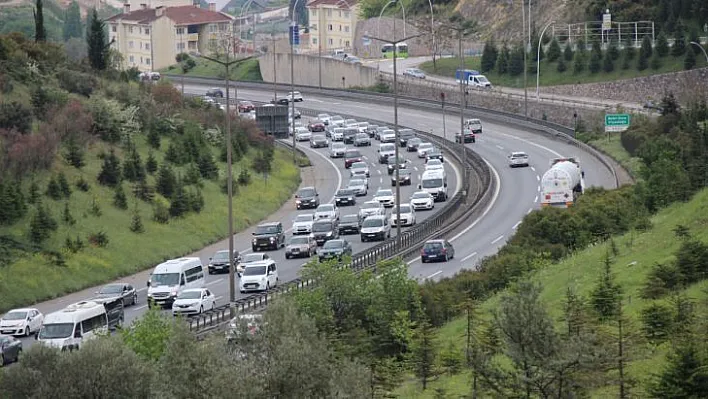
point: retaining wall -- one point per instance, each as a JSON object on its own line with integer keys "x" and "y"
{"x": 307, "y": 71}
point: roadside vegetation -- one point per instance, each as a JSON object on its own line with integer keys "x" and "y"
{"x": 187, "y": 65}
{"x": 103, "y": 176}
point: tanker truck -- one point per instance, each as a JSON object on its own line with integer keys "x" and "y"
{"x": 562, "y": 183}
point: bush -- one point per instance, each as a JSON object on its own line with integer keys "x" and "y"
{"x": 166, "y": 181}
{"x": 180, "y": 201}
{"x": 655, "y": 62}
{"x": 244, "y": 178}
{"x": 82, "y": 184}
{"x": 143, "y": 191}
{"x": 66, "y": 216}
{"x": 133, "y": 169}
{"x": 12, "y": 203}
{"x": 77, "y": 82}
{"x": 662, "y": 279}
{"x": 42, "y": 224}
{"x": 161, "y": 213}
{"x": 662, "y": 45}
{"x": 98, "y": 239}
{"x": 554, "y": 51}
{"x": 120, "y": 201}
{"x": 136, "y": 223}
{"x": 207, "y": 166}
{"x": 110, "y": 174}
{"x": 74, "y": 154}
{"x": 568, "y": 53}
{"x": 689, "y": 61}
{"x": 63, "y": 185}
{"x": 657, "y": 321}
{"x": 14, "y": 115}
{"x": 53, "y": 189}
{"x": 561, "y": 67}
{"x": 151, "y": 163}
{"x": 607, "y": 64}
{"x": 692, "y": 261}
{"x": 95, "y": 208}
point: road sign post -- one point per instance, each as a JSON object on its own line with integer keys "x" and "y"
{"x": 616, "y": 123}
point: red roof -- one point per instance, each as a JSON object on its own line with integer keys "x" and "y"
{"x": 339, "y": 3}
{"x": 182, "y": 15}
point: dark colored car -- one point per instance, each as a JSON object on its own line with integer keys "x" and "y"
{"x": 318, "y": 141}
{"x": 349, "y": 224}
{"x": 246, "y": 106}
{"x": 349, "y": 134}
{"x": 268, "y": 236}
{"x": 391, "y": 164}
{"x": 404, "y": 177}
{"x": 306, "y": 198}
{"x": 434, "y": 154}
{"x": 316, "y": 127}
{"x": 412, "y": 144}
{"x": 324, "y": 230}
{"x": 362, "y": 140}
{"x": 126, "y": 291}
{"x": 404, "y": 135}
{"x": 115, "y": 310}
{"x": 335, "y": 249}
{"x": 437, "y": 250}
{"x": 10, "y": 349}
{"x": 469, "y": 137}
{"x": 220, "y": 261}
{"x": 215, "y": 93}
{"x": 345, "y": 196}
{"x": 350, "y": 157}
{"x": 280, "y": 101}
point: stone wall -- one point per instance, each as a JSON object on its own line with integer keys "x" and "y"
{"x": 686, "y": 86}
{"x": 307, "y": 71}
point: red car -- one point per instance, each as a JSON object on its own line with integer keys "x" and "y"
{"x": 350, "y": 157}
{"x": 316, "y": 127}
{"x": 246, "y": 106}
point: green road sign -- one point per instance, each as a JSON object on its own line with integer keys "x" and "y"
{"x": 616, "y": 122}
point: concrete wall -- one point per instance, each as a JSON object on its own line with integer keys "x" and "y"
{"x": 307, "y": 71}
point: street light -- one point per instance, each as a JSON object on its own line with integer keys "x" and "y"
{"x": 240, "y": 24}
{"x": 291, "y": 33}
{"x": 378, "y": 22}
{"x": 526, "y": 50}
{"x": 395, "y": 129}
{"x": 538, "y": 59}
{"x": 702, "y": 49}
{"x": 226, "y": 64}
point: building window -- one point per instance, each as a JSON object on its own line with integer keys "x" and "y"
{"x": 314, "y": 40}
{"x": 314, "y": 27}
{"x": 340, "y": 13}
{"x": 147, "y": 31}
{"x": 212, "y": 28}
{"x": 331, "y": 42}
{"x": 130, "y": 29}
{"x": 180, "y": 31}
{"x": 131, "y": 44}
{"x": 147, "y": 61}
{"x": 329, "y": 13}
{"x": 346, "y": 28}
{"x": 141, "y": 45}
{"x": 346, "y": 14}
{"x": 223, "y": 27}
{"x": 346, "y": 43}
{"x": 141, "y": 60}
{"x": 340, "y": 28}
{"x": 147, "y": 46}
{"x": 314, "y": 13}
{"x": 114, "y": 28}
{"x": 329, "y": 27}
{"x": 180, "y": 46}
{"x": 132, "y": 59}
{"x": 212, "y": 44}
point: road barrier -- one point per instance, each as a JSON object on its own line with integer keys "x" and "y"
{"x": 471, "y": 199}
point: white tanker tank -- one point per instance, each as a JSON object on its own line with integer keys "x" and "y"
{"x": 562, "y": 183}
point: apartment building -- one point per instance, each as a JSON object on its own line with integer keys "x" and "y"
{"x": 150, "y": 38}
{"x": 332, "y": 23}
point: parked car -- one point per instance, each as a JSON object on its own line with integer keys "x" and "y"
{"x": 318, "y": 141}
{"x": 24, "y": 321}
{"x": 349, "y": 224}
{"x": 337, "y": 150}
{"x": 303, "y": 223}
{"x": 437, "y": 250}
{"x": 345, "y": 196}
{"x": 215, "y": 92}
{"x": 316, "y": 126}
{"x": 307, "y": 197}
{"x": 268, "y": 236}
{"x": 332, "y": 249}
{"x": 351, "y": 156}
{"x": 126, "y": 291}
{"x": 414, "y": 72}
{"x": 301, "y": 246}
{"x": 375, "y": 228}
{"x": 404, "y": 177}
{"x": 518, "y": 158}
{"x": 259, "y": 276}
{"x": 362, "y": 140}
{"x": 10, "y": 349}
{"x": 193, "y": 301}
{"x": 407, "y": 215}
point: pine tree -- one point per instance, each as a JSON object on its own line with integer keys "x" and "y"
{"x": 161, "y": 214}
{"x": 579, "y": 62}
{"x": 34, "y": 195}
{"x": 662, "y": 45}
{"x": 489, "y": 56}
{"x": 74, "y": 153}
{"x": 42, "y": 224}
{"x": 40, "y": 33}
{"x": 166, "y": 181}
{"x": 120, "y": 201}
{"x": 133, "y": 169}
{"x": 207, "y": 165}
{"x": 502, "y": 63}
{"x": 424, "y": 353}
{"x": 595, "y": 58}
{"x": 568, "y": 53}
{"x": 143, "y": 191}
{"x": 516, "y": 61}
{"x": 613, "y": 50}
{"x": 53, "y": 189}
{"x": 174, "y": 155}
{"x": 684, "y": 376}
{"x": 196, "y": 201}
{"x": 192, "y": 176}
{"x": 136, "y": 223}
{"x": 179, "y": 204}
{"x": 110, "y": 174}
{"x": 12, "y": 203}
{"x": 151, "y": 163}
{"x": 97, "y": 42}
{"x": 689, "y": 61}
{"x": 63, "y": 185}
{"x": 82, "y": 184}
{"x": 607, "y": 64}
{"x": 66, "y": 216}
{"x": 153, "y": 138}
{"x": 561, "y": 67}
{"x": 655, "y": 62}
{"x": 554, "y": 50}
{"x": 95, "y": 208}
{"x": 72, "y": 22}
{"x": 645, "y": 50}
{"x": 679, "y": 47}
{"x": 642, "y": 61}
{"x": 606, "y": 295}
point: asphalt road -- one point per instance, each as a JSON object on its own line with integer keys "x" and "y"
{"x": 327, "y": 175}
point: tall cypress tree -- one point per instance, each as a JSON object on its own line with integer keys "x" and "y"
{"x": 97, "y": 43}
{"x": 40, "y": 34}
{"x": 73, "y": 26}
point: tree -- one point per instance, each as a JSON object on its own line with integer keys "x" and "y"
{"x": 502, "y": 63}
{"x": 689, "y": 61}
{"x": 120, "y": 201}
{"x": 424, "y": 353}
{"x": 574, "y": 313}
{"x": 153, "y": 138}
{"x": 12, "y": 203}
{"x": 166, "y": 181}
{"x": 568, "y": 53}
{"x": 110, "y": 174}
{"x": 133, "y": 169}
{"x": 33, "y": 196}
{"x": 606, "y": 295}
{"x": 662, "y": 45}
{"x": 179, "y": 204}
{"x": 42, "y": 224}
{"x": 74, "y": 153}
{"x": 98, "y": 48}
{"x": 554, "y": 50}
{"x": 66, "y": 216}
{"x": 657, "y": 322}
{"x": 151, "y": 163}
{"x": 579, "y": 62}
{"x": 516, "y": 61}
{"x": 684, "y": 376}
{"x": 595, "y": 58}
{"x": 655, "y": 62}
{"x": 489, "y": 56}
{"x": 40, "y": 33}
{"x": 613, "y": 50}
{"x": 53, "y": 189}
{"x": 149, "y": 334}
{"x": 607, "y": 64}
{"x": 72, "y": 22}
{"x": 646, "y": 49}
{"x": 679, "y": 47}
{"x": 207, "y": 165}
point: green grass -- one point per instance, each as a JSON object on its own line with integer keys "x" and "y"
{"x": 581, "y": 272}
{"x": 248, "y": 70}
{"x": 549, "y": 75}
{"x": 613, "y": 147}
{"x": 33, "y": 278}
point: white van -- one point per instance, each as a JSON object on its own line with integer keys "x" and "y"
{"x": 170, "y": 278}
{"x": 435, "y": 183}
{"x": 68, "y": 328}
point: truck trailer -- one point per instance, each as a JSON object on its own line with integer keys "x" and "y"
{"x": 563, "y": 183}
{"x": 273, "y": 120}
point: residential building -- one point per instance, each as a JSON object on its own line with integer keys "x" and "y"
{"x": 150, "y": 38}
{"x": 332, "y": 23}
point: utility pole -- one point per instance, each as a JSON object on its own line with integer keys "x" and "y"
{"x": 293, "y": 26}
{"x": 523, "y": 43}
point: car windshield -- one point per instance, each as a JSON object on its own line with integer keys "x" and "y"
{"x": 255, "y": 271}
{"x": 371, "y": 205}
{"x": 359, "y": 165}
{"x": 338, "y": 146}
{"x": 352, "y": 154}
{"x": 350, "y": 219}
{"x": 482, "y": 79}
{"x": 518, "y": 155}
{"x": 392, "y": 160}
{"x": 221, "y": 255}
{"x": 434, "y": 162}
{"x": 325, "y": 208}
{"x": 421, "y": 196}
{"x": 323, "y": 116}
{"x": 362, "y": 136}
{"x": 298, "y": 240}
{"x": 404, "y": 209}
{"x": 405, "y": 133}
{"x": 111, "y": 289}
{"x": 15, "y": 315}
{"x": 337, "y": 118}
{"x": 384, "y": 193}
{"x": 54, "y": 331}
{"x": 271, "y": 229}
{"x": 414, "y": 141}
{"x": 190, "y": 295}
{"x": 387, "y": 147}
{"x": 356, "y": 183}
{"x": 251, "y": 258}
{"x": 403, "y": 172}
{"x": 318, "y": 137}
{"x": 372, "y": 222}
{"x": 345, "y": 193}
{"x": 164, "y": 279}
{"x": 432, "y": 183}
{"x": 321, "y": 227}
{"x": 433, "y": 246}
{"x": 333, "y": 244}
{"x": 425, "y": 146}
{"x": 306, "y": 192}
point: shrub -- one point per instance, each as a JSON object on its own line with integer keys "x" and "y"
{"x": 98, "y": 239}
{"x": 196, "y": 201}
{"x": 143, "y": 191}
{"x": 166, "y": 181}
{"x": 561, "y": 67}
{"x": 689, "y": 61}
{"x": 82, "y": 184}
{"x": 607, "y": 64}
{"x": 136, "y": 223}
{"x": 120, "y": 201}
{"x": 14, "y": 115}
{"x": 655, "y": 62}
{"x": 662, "y": 45}
{"x": 657, "y": 321}
{"x": 578, "y": 62}
{"x": 95, "y": 208}
{"x": 63, "y": 185}
{"x": 42, "y": 224}
{"x": 151, "y": 163}
{"x": 66, "y": 215}
{"x": 161, "y": 213}
{"x": 180, "y": 201}
{"x": 77, "y": 82}
{"x": 153, "y": 138}
{"x": 74, "y": 154}
{"x": 554, "y": 51}
{"x": 133, "y": 169}
{"x": 110, "y": 174}
{"x": 53, "y": 189}
{"x": 207, "y": 166}
{"x": 568, "y": 53}
{"x": 692, "y": 260}
{"x": 75, "y": 245}
{"x": 12, "y": 203}
{"x": 662, "y": 279}
{"x": 244, "y": 178}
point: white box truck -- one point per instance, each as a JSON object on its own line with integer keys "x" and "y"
{"x": 562, "y": 183}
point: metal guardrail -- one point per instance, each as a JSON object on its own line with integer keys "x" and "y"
{"x": 555, "y": 130}
{"x": 470, "y": 200}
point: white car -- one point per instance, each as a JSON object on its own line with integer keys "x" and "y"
{"x": 423, "y": 149}
{"x": 259, "y": 276}
{"x": 327, "y": 211}
{"x": 360, "y": 186}
{"x": 302, "y": 134}
{"x": 422, "y": 200}
{"x": 303, "y": 223}
{"x": 350, "y": 123}
{"x": 407, "y": 215}
{"x": 295, "y": 96}
{"x": 386, "y": 150}
{"x": 23, "y": 321}
{"x": 337, "y": 134}
{"x": 385, "y": 197}
{"x": 375, "y": 228}
{"x": 359, "y": 169}
{"x": 371, "y": 208}
{"x": 336, "y": 121}
{"x": 193, "y": 301}
{"x": 434, "y": 164}
{"x": 324, "y": 118}
{"x": 337, "y": 150}
{"x": 388, "y": 136}
{"x": 363, "y": 126}
{"x": 247, "y": 259}
{"x": 518, "y": 158}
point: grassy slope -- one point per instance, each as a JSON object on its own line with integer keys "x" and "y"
{"x": 581, "y": 272}
{"x": 32, "y": 278}
{"x": 246, "y": 71}
{"x": 549, "y": 75}
{"x": 613, "y": 147}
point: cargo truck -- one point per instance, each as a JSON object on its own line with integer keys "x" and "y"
{"x": 563, "y": 183}
{"x": 273, "y": 120}
{"x": 471, "y": 77}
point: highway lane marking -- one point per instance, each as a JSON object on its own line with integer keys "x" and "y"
{"x": 377, "y": 169}
{"x": 141, "y": 307}
{"x": 529, "y": 211}
{"x": 415, "y": 168}
{"x": 496, "y": 240}
{"x": 468, "y": 256}
{"x": 516, "y": 225}
{"x": 538, "y": 188}
{"x": 141, "y": 289}
{"x": 215, "y": 281}
{"x": 500, "y": 147}
{"x": 380, "y": 180}
{"x": 538, "y": 178}
{"x": 533, "y": 169}
{"x": 530, "y": 143}
{"x": 535, "y": 199}
{"x": 434, "y": 274}
{"x": 365, "y": 157}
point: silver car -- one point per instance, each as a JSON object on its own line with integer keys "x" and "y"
{"x": 336, "y": 121}
{"x": 360, "y": 187}
{"x": 518, "y": 158}
{"x": 301, "y": 246}
{"x": 414, "y": 72}
{"x": 371, "y": 208}
{"x": 337, "y": 150}
{"x": 359, "y": 169}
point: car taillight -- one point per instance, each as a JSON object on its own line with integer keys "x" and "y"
{"x": 548, "y": 196}
{"x": 422, "y": 252}
{"x": 444, "y": 251}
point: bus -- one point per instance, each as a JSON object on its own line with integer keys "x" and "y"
{"x": 402, "y": 50}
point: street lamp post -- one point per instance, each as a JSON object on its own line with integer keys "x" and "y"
{"x": 460, "y": 33}
{"x": 538, "y": 59}
{"x": 395, "y": 129}
{"x": 523, "y": 43}
{"x": 244, "y": 9}
{"x": 229, "y": 163}
{"x": 378, "y": 21}
{"x": 442, "y": 99}
{"x": 292, "y": 75}
{"x": 702, "y": 49}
